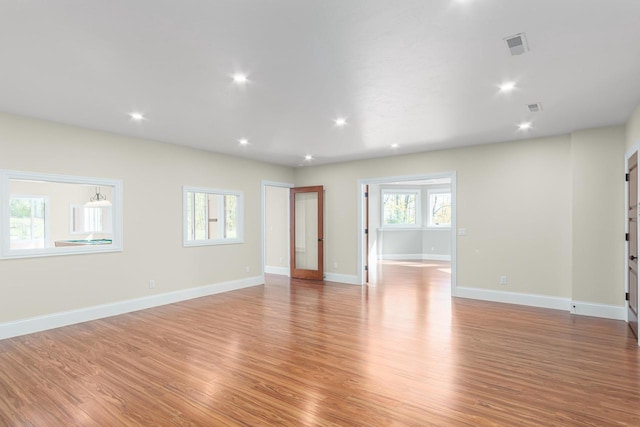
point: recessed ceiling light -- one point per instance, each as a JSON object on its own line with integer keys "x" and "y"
{"x": 507, "y": 86}
{"x": 340, "y": 121}
{"x": 524, "y": 125}
{"x": 138, "y": 117}
{"x": 243, "y": 141}
{"x": 308, "y": 157}
{"x": 394, "y": 146}
{"x": 240, "y": 78}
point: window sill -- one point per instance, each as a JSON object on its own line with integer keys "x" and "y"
{"x": 385, "y": 229}
{"x": 211, "y": 242}
{"x": 61, "y": 250}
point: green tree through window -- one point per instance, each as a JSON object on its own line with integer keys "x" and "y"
{"x": 439, "y": 209}
{"x": 399, "y": 208}
{"x": 26, "y": 218}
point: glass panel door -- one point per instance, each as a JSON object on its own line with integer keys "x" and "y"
{"x": 307, "y": 245}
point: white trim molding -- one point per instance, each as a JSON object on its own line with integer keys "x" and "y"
{"x": 544, "y": 301}
{"x": 65, "y": 318}
{"x": 533, "y": 300}
{"x": 616, "y": 312}
{"x": 422, "y": 257}
{"x": 283, "y": 271}
{"x": 347, "y": 279}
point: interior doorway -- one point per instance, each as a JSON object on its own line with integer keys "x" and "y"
{"x": 407, "y": 222}
{"x": 275, "y": 228}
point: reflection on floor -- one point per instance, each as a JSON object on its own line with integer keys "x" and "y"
{"x": 418, "y": 291}
{"x": 297, "y": 353}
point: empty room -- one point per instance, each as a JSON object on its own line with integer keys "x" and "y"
{"x": 330, "y": 213}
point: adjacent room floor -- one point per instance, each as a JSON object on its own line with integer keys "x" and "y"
{"x": 304, "y": 353}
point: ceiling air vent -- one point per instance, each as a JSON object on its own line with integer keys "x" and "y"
{"x": 517, "y": 44}
{"x": 534, "y": 108}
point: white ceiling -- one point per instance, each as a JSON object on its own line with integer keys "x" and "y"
{"x": 419, "y": 73}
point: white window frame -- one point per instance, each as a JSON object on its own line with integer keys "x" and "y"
{"x": 418, "y": 194}
{"x": 430, "y": 192}
{"x": 72, "y": 220}
{"x": 186, "y": 241}
{"x": 5, "y": 244}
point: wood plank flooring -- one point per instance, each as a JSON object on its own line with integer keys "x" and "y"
{"x": 295, "y": 353}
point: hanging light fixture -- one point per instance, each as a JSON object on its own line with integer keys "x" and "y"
{"x": 98, "y": 199}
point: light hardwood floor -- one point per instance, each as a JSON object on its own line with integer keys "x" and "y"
{"x": 301, "y": 353}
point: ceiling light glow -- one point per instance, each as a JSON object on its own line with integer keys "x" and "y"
{"x": 138, "y": 117}
{"x": 524, "y": 125}
{"x": 340, "y": 121}
{"x": 507, "y": 86}
{"x": 240, "y": 78}
{"x": 243, "y": 141}
{"x": 394, "y": 146}
{"x": 308, "y": 157}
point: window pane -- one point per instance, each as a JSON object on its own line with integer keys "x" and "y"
{"x": 212, "y": 216}
{"x": 200, "y": 217}
{"x": 399, "y": 208}
{"x": 440, "y": 209}
{"x": 91, "y": 220}
{"x": 230, "y": 212}
{"x": 27, "y": 222}
{"x": 189, "y": 216}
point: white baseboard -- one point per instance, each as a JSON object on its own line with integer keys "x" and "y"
{"x": 617, "y": 312}
{"x": 283, "y": 271}
{"x": 342, "y": 278}
{"x": 532, "y": 300}
{"x": 575, "y": 307}
{"x": 65, "y": 318}
{"x": 423, "y": 257}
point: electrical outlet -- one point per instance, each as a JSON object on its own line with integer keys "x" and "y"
{"x": 503, "y": 280}
{"x": 247, "y": 269}
{"x": 335, "y": 265}
{"x": 152, "y": 284}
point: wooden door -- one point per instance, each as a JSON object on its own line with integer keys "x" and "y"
{"x": 633, "y": 242}
{"x": 307, "y": 235}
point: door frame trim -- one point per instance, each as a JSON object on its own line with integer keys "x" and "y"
{"x": 381, "y": 180}
{"x": 263, "y": 222}
{"x": 627, "y": 155}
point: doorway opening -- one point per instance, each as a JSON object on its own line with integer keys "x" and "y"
{"x": 275, "y": 228}
{"x": 408, "y": 224}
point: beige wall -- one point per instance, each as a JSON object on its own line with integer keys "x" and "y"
{"x": 545, "y": 212}
{"x": 598, "y": 215}
{"x": 516, "y": 201}
{"x": 153, "y": 175}
{"x": 633, "y": 129}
